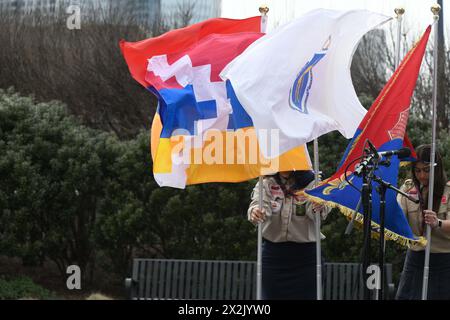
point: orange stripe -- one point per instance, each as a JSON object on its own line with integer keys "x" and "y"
{"x": 231, "y": 156}
{"x": 236, "y": 163}
{"x": 155, "y": 133}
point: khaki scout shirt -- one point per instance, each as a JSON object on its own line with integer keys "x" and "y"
{"x": 440, "y": 241}
{"x": 287, "y": 218}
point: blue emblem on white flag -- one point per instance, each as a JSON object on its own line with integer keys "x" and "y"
{"x": 305, "y": 101}
{"x": 299, "y": 93}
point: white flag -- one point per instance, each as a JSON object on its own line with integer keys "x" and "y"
{"x": 297, "y": 79}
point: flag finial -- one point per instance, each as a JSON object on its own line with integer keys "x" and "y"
{"x": 435, "y": 8}
{"x": 263, "y": 9}
{"x": 399, "y": 11}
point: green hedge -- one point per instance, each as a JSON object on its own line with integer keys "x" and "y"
{"x": 75, "y": 195}
{"x": 22, "y": 288}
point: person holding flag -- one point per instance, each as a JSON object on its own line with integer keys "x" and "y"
{"x": 410, "y": 286}
{"x": 289, "y": 240}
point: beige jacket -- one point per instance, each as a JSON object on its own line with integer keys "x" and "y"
{"x": 287, "y": 218}
{"x": 440, "y": 241}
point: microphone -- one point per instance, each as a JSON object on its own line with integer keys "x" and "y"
{"x": 363, "y": 164}
{"x": 401, "y": 153}
{"x": 373, "y": 149}
{"x": 375, "y": 155}
{"x": 372, "y": 156}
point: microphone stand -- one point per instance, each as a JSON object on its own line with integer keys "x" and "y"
{"x": 392, "y": 187}
{"x": 367, "y": 168}
{"x": 381, "y": 189}
{"x": 367, "y": 209}
{"x": 382, "y": 192}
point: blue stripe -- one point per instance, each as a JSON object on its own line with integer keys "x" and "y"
{"x": 239, "y": 117}
{"x": 179, "y": 110}
{"x": 347, "y": 150}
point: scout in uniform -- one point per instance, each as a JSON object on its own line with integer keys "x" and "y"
{"x": 410, "y": 286}
{"x": 289, "y": 239}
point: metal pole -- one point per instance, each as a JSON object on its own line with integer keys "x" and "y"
{"x": 263, "y": 10}
{"x": 317, "y": 217}
{"x": 382, "y": 248}
{"x": 259, "y": 260}
{"x": 367, "y": 209}
{"x": 399, "y": 12}
{"x": 435, "y": 9}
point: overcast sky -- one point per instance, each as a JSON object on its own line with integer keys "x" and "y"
{"x": 416, "y": 18}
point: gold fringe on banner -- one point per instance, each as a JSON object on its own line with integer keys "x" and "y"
{"x": 348, "y": 213}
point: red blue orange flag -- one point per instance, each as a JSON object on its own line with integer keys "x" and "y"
{"x": 200, "y": 132}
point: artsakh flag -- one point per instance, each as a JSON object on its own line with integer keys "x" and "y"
{"x": 384, "y": 125}
{"x": 200, "y": 132}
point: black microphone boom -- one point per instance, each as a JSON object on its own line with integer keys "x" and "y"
{"x": 375, "y": 155}
{"x": 401, "y": 153}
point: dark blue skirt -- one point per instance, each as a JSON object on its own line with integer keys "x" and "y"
{"x": 410, "y": 286}
{"x": 288, "y": 271}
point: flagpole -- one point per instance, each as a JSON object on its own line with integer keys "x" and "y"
{"x": 399, "y": 12}
{"x": 259, "y": 260}
{"x": 263, "y": 10}
{"x": 435, "y": 9}
{"x": 317, "y": 217}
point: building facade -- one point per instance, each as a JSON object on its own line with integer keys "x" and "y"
{"x": 142, "y": 11}
{"x": 201, "y": 9}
